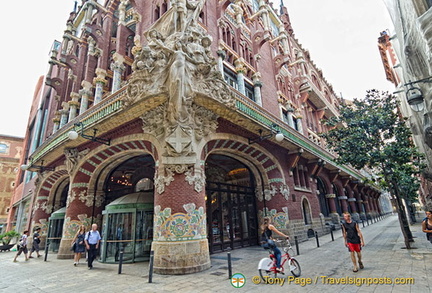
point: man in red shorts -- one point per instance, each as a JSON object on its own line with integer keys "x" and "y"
{"x": 353, "y": 240}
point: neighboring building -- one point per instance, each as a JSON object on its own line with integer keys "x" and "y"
{"x": 407, "y": 55}
{"x": 159, "y": 122}
{"x": 11, "y": 150}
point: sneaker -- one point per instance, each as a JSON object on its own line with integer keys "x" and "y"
{"x": 361, "y": 265}
{"x": 90, "y": 268}
{"x": 75, "y": 264}
{"x": 279, "y": 270}
{"x": 30, "y": 257}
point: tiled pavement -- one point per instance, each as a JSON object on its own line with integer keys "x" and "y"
{"x": 384, "y": 260}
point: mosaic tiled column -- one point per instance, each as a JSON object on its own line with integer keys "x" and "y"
{"x": 85, "y": 93}
{"x": 240, "y": 70}
{"x": 41, "y": 212}
{"x": 73, "y": 106}
{"x": 99, "y": 82}
{"x": 64, "y": 114}
{"x": 79, "y": 210}
{"x": 180, "y": 242}
{"x": 221, "y": 57}
{"x": 257, "y": 88}
{"x": 117, "y": 67}
{"x": 56, "y": 122}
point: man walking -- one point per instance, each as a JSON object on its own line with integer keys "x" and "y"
{"x": 36, "y": 241}
{"x": 353, "y": 240}
{"x": 22, "y": 246}
{"x": 92, "y": 240}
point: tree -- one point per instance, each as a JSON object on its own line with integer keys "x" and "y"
{"x": 372, "y": 133}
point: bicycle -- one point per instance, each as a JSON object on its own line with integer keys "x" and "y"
{"x": 267, "y": 266}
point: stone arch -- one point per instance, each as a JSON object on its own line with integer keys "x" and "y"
{"x": 46, "y": 191}
{"x": 262, "y": 160}
{"x": 306, "y": 210}
{"x": 94, "y": 161}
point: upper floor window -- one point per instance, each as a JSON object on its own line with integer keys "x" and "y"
{"x": 230, "y": 78}
{"x": 249, "y": 91}
{"x": 4, "y": 148}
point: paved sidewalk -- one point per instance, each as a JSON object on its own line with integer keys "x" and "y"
{"x": 330, "y": 263}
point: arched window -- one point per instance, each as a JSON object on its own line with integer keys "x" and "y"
{"x": 306, "y": 212}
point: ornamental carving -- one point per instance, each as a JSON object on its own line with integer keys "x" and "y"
{"x": 284, "y": 190}
{"x": 195, "y": 177}
{"x": 73, "y": 156}
{"x": 177, "y": 65}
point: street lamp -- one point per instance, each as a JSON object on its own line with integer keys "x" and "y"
{"x": 274, "y": 131}
{"x": 415, "y": 99}
{"x": 73, "y": 134}
{"x": 415, "y": 96}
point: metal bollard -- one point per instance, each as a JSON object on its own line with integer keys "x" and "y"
{"x": 297, "y": 245}
{"x": 316, "y": 236}
{"x": 120, "y": 261}
{"x": 229, "y": 265}
{"x": 331, "y": 233}
{"x": 151, "y": 266}
{"x": 46, "y": 251}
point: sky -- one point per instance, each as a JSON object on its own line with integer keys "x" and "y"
{"x": 341, "y": 36}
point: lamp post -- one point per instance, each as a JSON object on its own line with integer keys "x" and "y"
{"x": 414, "y": 94}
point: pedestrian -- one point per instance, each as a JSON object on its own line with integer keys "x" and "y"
{"x": 92, "y": 240}
{"x": 22, "y": 246}
{"x": 36, "y": 241}
{"x": 353, "y": 240}
{"x": 427, "y": 226}
{"x": 267, "y": 241}
{"x": 78, "y": 244}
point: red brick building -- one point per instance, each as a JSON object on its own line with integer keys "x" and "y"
{"x": 179, "y": 126}
{"x": 11, "y": 150}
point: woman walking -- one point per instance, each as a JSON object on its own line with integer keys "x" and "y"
{"x": 78, "y": 244}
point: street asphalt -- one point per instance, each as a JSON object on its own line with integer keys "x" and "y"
{"x": 388, "y": 268}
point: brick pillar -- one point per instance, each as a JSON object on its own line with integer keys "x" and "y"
{"x": 180, "y": 242}
{"x": 332, "y": 205}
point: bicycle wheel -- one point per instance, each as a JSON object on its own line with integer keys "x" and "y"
{"x": 295, "y": 268}
{"x": 266, "y": 274}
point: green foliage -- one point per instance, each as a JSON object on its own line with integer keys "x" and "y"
{"x": 8, "y": 236}
{"x": 372, "y": 133}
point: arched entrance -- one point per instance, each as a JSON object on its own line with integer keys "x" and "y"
{"x": 322, "y": 191}
{"x": 231, "y": 206}
{"x": 128, "y": 214}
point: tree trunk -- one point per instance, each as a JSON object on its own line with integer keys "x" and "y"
{"x": 403, "y": 221}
